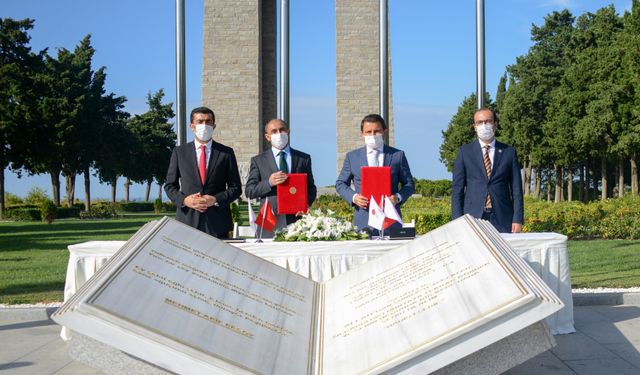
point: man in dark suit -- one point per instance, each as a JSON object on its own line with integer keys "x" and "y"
{"x": 374, "y": 153}
{"x": 486, "y": 178}
{"x": 203, "y": 178}
{"x": 269, "y": 169}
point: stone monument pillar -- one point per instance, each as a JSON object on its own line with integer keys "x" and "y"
{"x": 357, "y": 72}
{"x": 239, "y": 72}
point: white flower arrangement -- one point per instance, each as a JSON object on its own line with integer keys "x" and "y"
{"x": 318, "y": 226}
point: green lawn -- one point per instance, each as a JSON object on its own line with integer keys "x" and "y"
{"x": 33, "y": 257}
{"x": 604, "y": 263}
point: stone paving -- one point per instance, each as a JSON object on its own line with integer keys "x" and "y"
{"x": 607, "y": 341}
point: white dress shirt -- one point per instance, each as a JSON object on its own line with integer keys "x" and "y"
{"x": 492, "y": 150}
{"x": 287, "y": 152}
{"x": 199, "y": 151}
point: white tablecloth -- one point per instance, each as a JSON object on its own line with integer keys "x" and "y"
{"x": 546, "y": 253}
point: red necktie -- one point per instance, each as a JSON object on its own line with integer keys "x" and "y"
{"x": 202, "y": 164}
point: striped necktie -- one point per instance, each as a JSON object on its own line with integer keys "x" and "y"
{"x": 487, "y": 167}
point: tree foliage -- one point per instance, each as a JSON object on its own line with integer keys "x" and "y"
{"x": 56, "y": 118}
{"x": 572, "y": 103}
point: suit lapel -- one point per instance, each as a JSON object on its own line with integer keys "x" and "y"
{"x": 479, "y": 158}
{"x": 270, "y": 162}
{"x": 191, "y": 154}
{"x": 213, "y": 161}
{"x": 497, "y": 157}
{"x": 295, "y": 161}
{"x": 387, "y": 156}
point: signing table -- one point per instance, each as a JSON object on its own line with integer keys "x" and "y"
{"x": 546, "y": 253}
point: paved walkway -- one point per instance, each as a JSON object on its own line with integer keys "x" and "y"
{"x": 607, "y": 341}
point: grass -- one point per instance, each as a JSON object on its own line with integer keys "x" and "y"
{"x": 604, "y": 263}
{"x": 34, "y": 256}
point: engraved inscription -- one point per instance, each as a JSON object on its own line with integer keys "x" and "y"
{"x": 425, "y": 293}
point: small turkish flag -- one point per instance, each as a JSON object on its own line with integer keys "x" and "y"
{"x": 266, "y": 218}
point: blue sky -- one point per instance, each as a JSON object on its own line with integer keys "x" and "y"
{"x": 432, "y": 52}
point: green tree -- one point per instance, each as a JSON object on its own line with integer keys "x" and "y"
{"x": 110, "y": 165}
{"x": 501, "y": 92}
{"x": 18, "y": 67}
{"x": 594, "y": 72}
{"x": 154, "y": 139}
{"x": 629, "y": 46}
{"x": 535, "y": 76}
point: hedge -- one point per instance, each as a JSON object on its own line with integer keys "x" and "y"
{"x": 30, "y": 213}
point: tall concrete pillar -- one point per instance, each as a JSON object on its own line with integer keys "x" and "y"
{"x": 239, "y": 72}
{"x": 357, "y": 72}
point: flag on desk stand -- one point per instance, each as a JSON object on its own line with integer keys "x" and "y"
{"x": 252, "y": 219}
{"x": 376, "y": 215}
{"x": 390, "y": 214}
{"x": 266, "y": 218}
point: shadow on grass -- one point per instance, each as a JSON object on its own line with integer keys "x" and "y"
{"x": 38, "y": 236}
{"x": 52, "y": 286}
{"x": 79, "y": 225}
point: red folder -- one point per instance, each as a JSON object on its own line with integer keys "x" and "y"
{"x": 292, "y": 194}
{"x": 376, "y": 182}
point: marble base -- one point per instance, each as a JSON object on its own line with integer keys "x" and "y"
{"x": 108, "y": 359}
{"x": 494, "y": 359}
{"x": 504, "y": 354}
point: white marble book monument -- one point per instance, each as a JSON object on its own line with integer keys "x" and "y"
{"x": 189, "y": 303}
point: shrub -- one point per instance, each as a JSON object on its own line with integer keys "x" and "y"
{"x": 335, "y": 203}
{"x": 48, "y": 211}
{"x": 36, "y": 196}
{"x": 68, "y": 212}
{"x": 157, "y": 205}
{"x": 235, "y": 212}
{"x": 12, "y": 199}
{"x": 617, "y": 218}
{"x": 100, "y": 211}
{"x": 135, "y": 206}
{"x": 168, "y": 207}
{"x": 433, "y": 188}
{"x": 22, "y": 213}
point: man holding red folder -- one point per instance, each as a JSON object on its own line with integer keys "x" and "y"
{"x": 374, "y": 154}
{"x": 272, "y": 168}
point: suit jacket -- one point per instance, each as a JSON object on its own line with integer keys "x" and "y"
{"x": 401, "y": 179}
{"x": 222, "y": 181}
{"x": 263, "y": 165}
{"x": 470, "y": 185}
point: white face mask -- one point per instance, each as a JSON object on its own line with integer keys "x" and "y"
{"x": 485, "y": 132}
{"x": 204, "y": 132}
{"x": 373, "y": 141}
{"x": 279, "y": 140}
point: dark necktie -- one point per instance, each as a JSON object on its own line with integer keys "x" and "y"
{"x": 283, "y": 162}
{"x": 487, "y": 167}
{"x": 202, "y": 164}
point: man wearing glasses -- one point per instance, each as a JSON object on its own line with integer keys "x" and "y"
{"x": 486, "y": 178}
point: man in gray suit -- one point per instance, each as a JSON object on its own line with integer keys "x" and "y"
{"x": 374, "y": 153}
{"x": 270, "y": 168}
